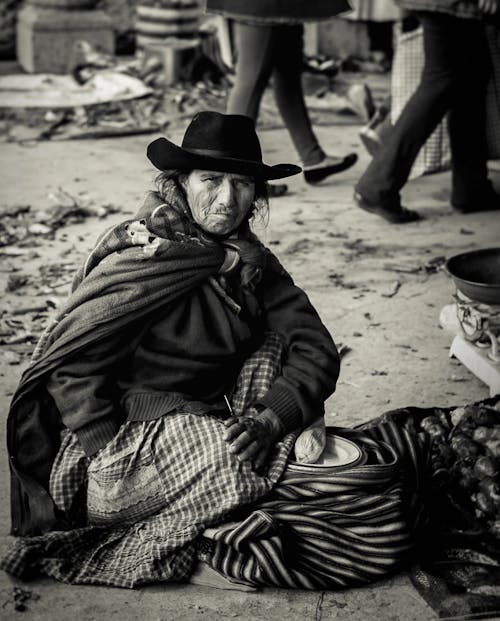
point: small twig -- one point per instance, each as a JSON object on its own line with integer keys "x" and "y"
{"x": 29, "y": 309}
{"x": 319, "y": 606}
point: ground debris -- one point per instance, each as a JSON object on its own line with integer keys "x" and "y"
{"x": 392, "y": 289}
{"x": 299, "y": 246}
{"x": 432, "y": 266}
{"x": 55, "y": 275}
{"x": 70, "y": 209}
{"x": 23, "y": 224}
{"x": 19, "y": 338}
{"x": 19, "y": 598}
{"x": 11, "y": 357}
{"x": 16, "y": 281}
{"x": 459, "y": 378}
{"x": 17, "y": 251}
{"x": 343, "y": 349}
{"x": 339, "y": 281}
{"x": 358, "y": 247}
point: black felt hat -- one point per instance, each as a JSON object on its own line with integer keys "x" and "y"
{"x": 222, "y": 142}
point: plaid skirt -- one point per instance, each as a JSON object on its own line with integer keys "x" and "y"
{"x": 166, "y": 493}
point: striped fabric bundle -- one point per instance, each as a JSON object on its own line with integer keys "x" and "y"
{"x": 310, "y": 531}
{"x": 319, "y": 531}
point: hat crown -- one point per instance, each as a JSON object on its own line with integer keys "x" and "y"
{"x": 225, "y": 135}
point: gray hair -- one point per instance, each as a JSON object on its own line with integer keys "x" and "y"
{"x": 260, "y": 206}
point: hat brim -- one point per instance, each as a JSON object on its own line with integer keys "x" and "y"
{"x": 166, "y": 155}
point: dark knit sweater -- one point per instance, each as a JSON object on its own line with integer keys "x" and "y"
{"x": 193, "y": 350}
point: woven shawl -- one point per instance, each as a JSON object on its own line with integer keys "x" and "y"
{"x": 135, "y": 268}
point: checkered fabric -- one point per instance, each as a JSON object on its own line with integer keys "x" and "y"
{"x": 258, "y": 374}
{"x": 150, "y": 492}
{"x": 407, "y": 67}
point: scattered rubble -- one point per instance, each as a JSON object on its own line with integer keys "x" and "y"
{"x": 339, "y": 281}
{"x": 20, "y": 597}
{"x": 107, "y": 96}
{"x": 392, "y": 289}
{"x": 20, "y": 225}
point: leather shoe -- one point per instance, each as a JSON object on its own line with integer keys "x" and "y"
{"x": 490, "y": 202}
{"x": 328, "y": 166}
{"x": 394, "y": 213}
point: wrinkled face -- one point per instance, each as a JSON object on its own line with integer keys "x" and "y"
{"x": 219, "y": 201}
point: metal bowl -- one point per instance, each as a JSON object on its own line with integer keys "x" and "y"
{"x": 477, "y": 274}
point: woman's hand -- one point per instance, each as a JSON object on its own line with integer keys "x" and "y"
{"x": 251, "y": 438}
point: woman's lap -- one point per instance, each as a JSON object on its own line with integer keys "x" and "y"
{"x": 179, "y": 465}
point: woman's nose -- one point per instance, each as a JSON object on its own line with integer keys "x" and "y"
{"x": 226, "y": 193}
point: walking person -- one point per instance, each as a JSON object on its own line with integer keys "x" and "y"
{"x": 453, "y": 81}
{"x": 269, "y": 42}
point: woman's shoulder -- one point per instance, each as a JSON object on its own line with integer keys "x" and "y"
{"x": 151, "y": 201}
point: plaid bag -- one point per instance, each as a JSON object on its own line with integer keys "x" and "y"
{"x": 407, "y": 67}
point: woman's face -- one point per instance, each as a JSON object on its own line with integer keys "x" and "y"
{"x": 219, "y": 201}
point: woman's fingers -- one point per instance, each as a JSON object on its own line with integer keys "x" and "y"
{"x": 233, "y": 430}
{"x": 247, "y": 439}
{"x": 260, "y": 459}
{"x": 239, "y": 443}
{"x": 249, "y": 451}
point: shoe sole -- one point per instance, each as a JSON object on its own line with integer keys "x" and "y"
{"x": 344, "y": 164}
{"x": 393, "y": 217}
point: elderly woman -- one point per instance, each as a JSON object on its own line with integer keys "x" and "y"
{"x": 167, "y": 395}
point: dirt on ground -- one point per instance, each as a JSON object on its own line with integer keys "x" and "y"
{"x": 379, "y": 288}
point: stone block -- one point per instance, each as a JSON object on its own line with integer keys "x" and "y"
{"x": 45, "y": 37}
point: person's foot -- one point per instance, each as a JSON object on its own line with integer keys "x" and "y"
{"x": 394, "y": 213}
{"x": 328, "y": 166}
{"x": 491, "y": 202}
{"x": 370, "y": 139}
{"x": 274, "y": 190}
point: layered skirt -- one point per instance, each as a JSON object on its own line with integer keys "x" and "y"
{"x": 165, "y": 494}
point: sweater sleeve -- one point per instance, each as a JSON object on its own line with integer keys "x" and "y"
{"x": 85, "y": 392}
{"x": 311, "y": 365}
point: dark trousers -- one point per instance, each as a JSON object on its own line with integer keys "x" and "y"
{"x": 453, "y": 81}
{"x": 263, "y": 51}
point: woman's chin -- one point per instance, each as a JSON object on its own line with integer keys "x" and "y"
{"x": 218, "y": 226}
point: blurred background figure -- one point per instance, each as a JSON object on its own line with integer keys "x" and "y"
{"x": 268, "y": 37}
{"x": 454, "y": 81}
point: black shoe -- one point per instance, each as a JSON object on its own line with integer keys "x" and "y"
{"x": 276, "y": 189}
{"x": 394, "y": 213}
{"x": 491, "y": 202}
{"x": 329, "y": 166}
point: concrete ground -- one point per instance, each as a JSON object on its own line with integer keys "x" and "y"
{"x": 363, "y": 276}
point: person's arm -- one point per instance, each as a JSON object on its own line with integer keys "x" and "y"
{"x": 85, "y": 392}
{"x": 311, "y": 365}
{"x": 309, "y": 374}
